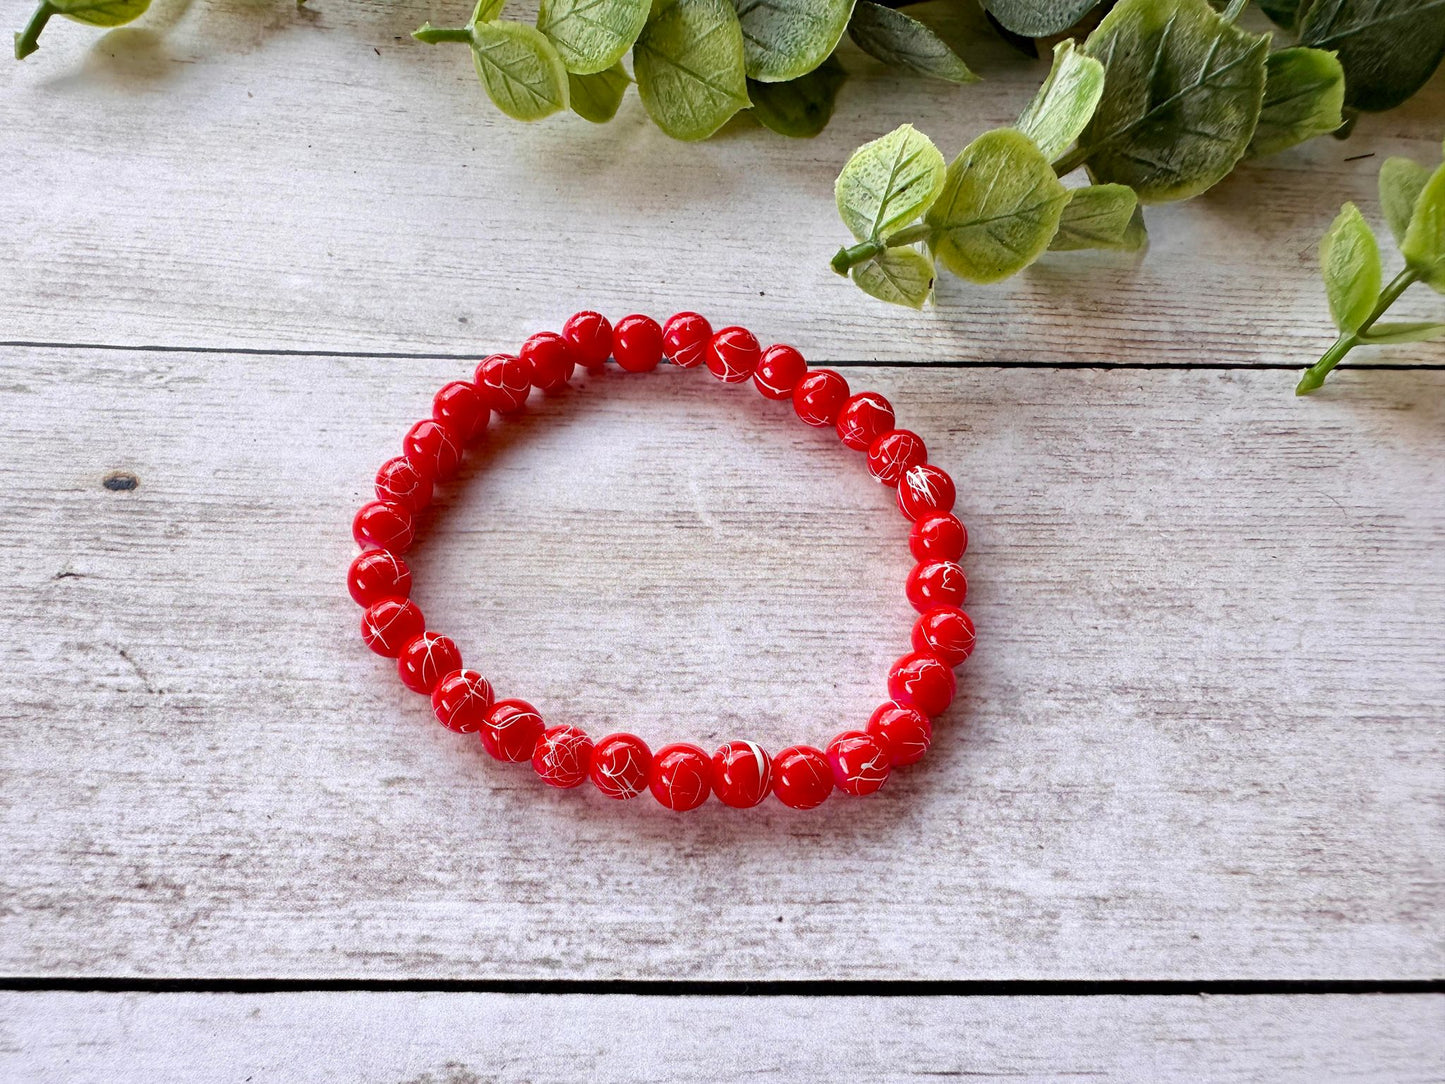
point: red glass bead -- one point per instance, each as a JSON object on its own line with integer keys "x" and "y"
{"x": 461, "y": 408}
{"x": 511, "y": 731}
{"x": 620, "y": 763}
{"x": 384, "y": 525}
{"x": 819, "y": 396}
{"x": 684, "y": 339}
{"x": 391, "y": 624}
{"x": 924, "y": 490}
{"x": 922, "y": 681}
{"x": 505, "y": 382}
{"x": 400, "y": 482}
{"x": 863, "y": 419}
{"x": 936, "y": 583}
{"x": 562, "y": 756}
{"x": 680, "y": 777}
{"x": 905, "y": 732}
{"x": 637, "y": 343}
{"x": 802, "y": 777}
{"x": 426, "y": 660}
{"x": 551, "y": 360}
{"x": 462, "y": 700}
{"x": 938, "y": 537}
{"x": 778, "y": 372}
{"x": 894, "y": 453}
{"x": 378, "y": 574}
{"x": 860, "y": 762}
{"x": 434, "y": 448}
{"x": 945, "y": 631}
{"x": 732, "y": 355}
{"x": 590, "y": 336}
{"x": 741, "y": 774}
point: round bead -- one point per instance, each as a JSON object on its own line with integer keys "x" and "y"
{"x": 401, "y": 482}
{"x": 819, "y": 396}
{"x": 945, "y": 631}
{"x": 426, "y": 660}
{"x": 684, "y": 339}
{"x": 383, "y": 525}
{"x": 620, "y": 763}
{"x": 562, "y": 756}
{"x": 732, "y": 355}
{"x": 378, "y": 574}
{"x": 938, "y": 537}
{"x": 923, "y": 490}
{"x": 905, "y": 732}
{"x": 936, "y": 583}
{"x": 461, "y": 408}
{"x": 434, "y": 448}
{"x": 590, "y": 337}
{"x": 860, "y": 762}
{"x": 551, "y": 360}
{"x": 741, "y": 774}
{"x": 461, "y": 701}
{"x": 894, "y": 453}
{"x": 863, "y": 419}
{"x": 921, "y": 681}
{"x": 505, "y": 381}
{"x": 802, "y": 777}
{"x": 511, "y": 730}
{"x": 637, "y": 343}
{"x": 778, "y": 372}
{"x": 391, "y": 624}
{"x": 680, "y": 777}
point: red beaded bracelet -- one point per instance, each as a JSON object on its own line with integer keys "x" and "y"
{"x": 680, "y": 776}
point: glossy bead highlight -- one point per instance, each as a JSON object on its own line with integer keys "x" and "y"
{"x": 462, "y": 408}
{"x": 859, "y": 761}
{"x": 732, "y": 355}
{"x": 819, "y": 396}
{"x": 401, "y": 482}
{"x": 620, "y": 765}
{"x": 590, "y": 336}
{"x": 924, "y": 490}
{"x": 894, "y": 453}
{"x": 936, "y": 583}
{"x": 863, "y": 419}
{"x": 778, "y": 372}
{"x": 802, "y": 777}
{"x": 551, "y": 360}
{"x": 562, "y": 757}
{"x": 945, "y": 631}
{"x": 684, "y": 339}
{"x": 383, "y": 525}
{"x": 904, "y": 731}
{"x": 922, "y": 681}
{"x": 505, "y": 381}
{"x": 637, "y": 344}
{"x": 378, "y": 574}
{"x": 391, "y": 624}
{"x": 426, "y": 660}
{"x": 938, "y": 536}
{"x": 680, "y": 777}
{"x": 462, "y": 700}
{"x": 741, "y": 774}
{"x": 434, "y": 449}
{"x": 511, "y": 731}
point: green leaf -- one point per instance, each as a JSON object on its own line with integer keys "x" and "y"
{"x": 1182, "y": 93}
{"x": 800, "y": 107}
{"x": 596, "y": 97}
{"x": 1424, "y": 243}
{"x": 999, "y": 208}
{"x": 901, "y": 276}
{"x": 101, "y": 12}
{"x": 888, "y": 183}
{"x": 1383, "y": 333}
{"x": 592, "y": 35}
{"x": 1401, "y": 180}
{"x": 901, "y": 41}
{"x": 520, "y": 69}
{"x": 689, "y": 66}
{"x": 1099, "y": 216}
{"x": 1388, "y": 47}
{"x": 487, "y": 10}
{"x": 783, "y": 39}
{"x": 1065, "y": 103}
{"x": 1304, "y": 92}
{"x": 1039, "y": 18}
{"x": 1350, "y": 264}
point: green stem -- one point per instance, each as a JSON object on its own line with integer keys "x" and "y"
{"x": 848, "y": 258}
{"x": 1071, "y": 161}
{"x": 434, "y": 34}
{"x": 28, "y": 40}
{"x": 909, "y": 235}
{"x": 1315, "y": 375}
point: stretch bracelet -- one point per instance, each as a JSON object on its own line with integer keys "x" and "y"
{"x": 682, "y": 776}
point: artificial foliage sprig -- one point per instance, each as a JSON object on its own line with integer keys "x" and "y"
{"x": 1413, "y": 199}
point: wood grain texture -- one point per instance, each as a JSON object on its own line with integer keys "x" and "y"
{"x": 1201, "y": 738}
{"x": 244, "y": 173}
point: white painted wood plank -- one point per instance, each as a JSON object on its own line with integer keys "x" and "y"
{"x": 356, "y": 1038}
{"x": 228, "y": 174}
{"x": 1201, "y": 738}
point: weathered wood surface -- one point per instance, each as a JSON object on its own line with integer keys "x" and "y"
{"x": 1201, "y": 737}
{"x": 244, "y": 173}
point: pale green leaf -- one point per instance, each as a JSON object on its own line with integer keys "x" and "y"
{"x": 1182, "y": 93}
{"x": 900, "y": 276}
{"x": 999, "y": 208}
{"x": 592, "y": 35}
{"x": 1304, "y": 91}
{"x": 1065, "y": 103}
{"x": 901, "y": 41}
{"x": 689, "y": 66}
{"x": 1099, "y": 216}
{"x": 783, "y": 39}
{"x": 101, "y": 12}
{"x": 1388, "y": 47}
{"x": 1383, "y": 333}
{"x": 520, "y": 69}
{"x": 801, "y": 107}
{"x": 888, "y": 183}
{"x": 596, "y": 97}
{"x": 1401, "y": 181}
{"x": 1039, "y": 18}
{"x": 487, "y": 10}
{"x": 1424, "y": 243}
{"x": 1350, "y": 264}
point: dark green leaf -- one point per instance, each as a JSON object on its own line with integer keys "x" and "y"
{"x": 1065, "y": 103}
{"x": 1039, "y": 18}
{"x": 901, "y": 41}
{"x": 1283, "y": 12}
{"x": 800, "y": 107}
{"x": 1099, "y": 216}
{"x": 1388, "y": 47}
{"x": 1401, "y": 181}
{"x": 1424, "y": 243}
{"x": 783, "y": 39}
{"x": 1350, "y": 264}
{"x": 592, "y": 35}
{"x": 888, "y": 183}
{"x": 689, "y": 66}
{"x": 520, "y": 69}
{"x": 1304, "y": 91}
{"x": 902, "y": 276}
{"x": 596, "y": 97}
